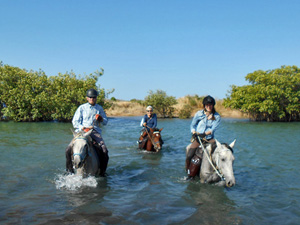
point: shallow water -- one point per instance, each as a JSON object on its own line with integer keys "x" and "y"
{"x": 148, "y": 188}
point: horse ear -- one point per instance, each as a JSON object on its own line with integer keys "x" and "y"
{"x": 73, "y": 132}
{"x": 161, "y": 129}
{"x": 218, "y": 143}
{"x": 232, "y": 143}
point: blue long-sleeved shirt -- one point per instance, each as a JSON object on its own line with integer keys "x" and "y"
{"x": 151, "y": 122}
{"x": 85, "y": 117}
{"x": 201, "y": 124}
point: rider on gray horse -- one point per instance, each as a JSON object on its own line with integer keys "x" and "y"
{"x": 203, "y": 126}
{"x": 89, "y": 116}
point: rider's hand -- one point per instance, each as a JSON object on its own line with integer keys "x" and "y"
{"x": 202, "y": 135}
{"x": 99, "y": 118}
{"x": 144, "y": 124}
{"x": 86, "y": 129}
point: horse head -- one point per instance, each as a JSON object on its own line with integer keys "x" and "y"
{"x": 156, "y": 138}
{"x": 80, "y": 146}
{"x": 223, "y": 158}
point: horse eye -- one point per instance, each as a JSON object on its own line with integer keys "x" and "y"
{"x": 223, "y": 160}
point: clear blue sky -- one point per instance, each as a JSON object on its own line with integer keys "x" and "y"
{"x": 181, "y": 47}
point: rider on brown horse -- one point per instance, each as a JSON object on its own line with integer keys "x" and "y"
{"x": 149, "y": 121}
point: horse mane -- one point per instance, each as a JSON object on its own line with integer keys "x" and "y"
{"x": 227, "y": 146}
{"x": 214, "y": 146}
{"x": 80, "y": 134}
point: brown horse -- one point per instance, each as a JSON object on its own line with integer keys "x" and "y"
{"x": 151, "y": 140}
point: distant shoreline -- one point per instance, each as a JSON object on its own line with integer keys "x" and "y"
{"x": 127, "y": 109}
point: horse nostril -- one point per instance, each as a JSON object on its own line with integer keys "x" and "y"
{"x": 230, "y": 184}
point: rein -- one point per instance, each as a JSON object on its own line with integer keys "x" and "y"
{"x": 210, "y": 161}
{"x": 150, "y": 136}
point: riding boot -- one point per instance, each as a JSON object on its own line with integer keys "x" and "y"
{"x": 103, "y": 157}
{"x": 187, "y": 164}
{"x": 190, "y": 154}
{"x": 69, "y": 165}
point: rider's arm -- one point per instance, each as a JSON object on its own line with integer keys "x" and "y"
{"x": 216, "y": 124}
{"x": 154, "y": 121}
{"x": 103, "y": 114}
{"x": 198, "y": 116}
{"x": 77, "y": 119}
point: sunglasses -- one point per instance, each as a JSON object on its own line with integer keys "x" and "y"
{"x": 149, "y": 110}
{"x": 92, "y": 97}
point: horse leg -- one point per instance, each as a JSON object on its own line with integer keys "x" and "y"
{"x": 69, "y": 165}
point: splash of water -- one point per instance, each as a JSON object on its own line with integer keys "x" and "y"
{"x": 74, "y": 182}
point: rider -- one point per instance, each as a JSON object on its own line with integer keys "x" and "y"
{"x": 89, "y": 116}
{"x": 149, "y": 121}
{"x": 203, "y": 126}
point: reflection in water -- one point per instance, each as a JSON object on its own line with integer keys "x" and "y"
{"x": 211, "y": 203}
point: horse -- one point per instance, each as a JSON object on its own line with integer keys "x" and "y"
{"x": 84, "y": 157}
{"x": 221, "y": 157}
{"x": 152, "y": 142}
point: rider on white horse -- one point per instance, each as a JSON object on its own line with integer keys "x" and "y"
{"x": 89, "y": 116}
{"x": 204, "y": 125}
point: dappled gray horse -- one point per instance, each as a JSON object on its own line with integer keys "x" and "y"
{"x": 221, "y": 171}
{"x": 84, "y": 158}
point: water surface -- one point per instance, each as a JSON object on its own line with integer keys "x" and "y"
{"x": 148, "y": 188}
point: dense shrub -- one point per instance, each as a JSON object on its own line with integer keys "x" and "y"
{"x": 33, "y": 96}
{"x": 272, "y": 95}
{"x": 162, "y": 103}
{"x": 185, "y": 112}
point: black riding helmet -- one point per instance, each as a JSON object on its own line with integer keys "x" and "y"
{"x": 91, "y": 93}
{"x": 209, "y": 99}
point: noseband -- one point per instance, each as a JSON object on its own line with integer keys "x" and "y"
{"x": 155, "y": 143}
{"x": 87, "y": 153}
{"x": 217, "y": 161}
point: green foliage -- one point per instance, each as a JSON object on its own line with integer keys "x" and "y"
{"x": 185, "y": 112}
{"x": 141, "y": 102}
{"x": 162, "y": 103}
{"x": 32, "y": 96}
{"x": 272, "y": 95}
{"x": 195, "y": 101}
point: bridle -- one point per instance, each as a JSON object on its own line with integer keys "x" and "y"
{"x": 154, "y": 143}
{"x": 210, "y": 161}
{"x": 86, "y": 154}
{"x": 217, "y": 159}
{"x": 155, "y": 133}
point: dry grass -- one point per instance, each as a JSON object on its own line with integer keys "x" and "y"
{"x": 127, "y": 108}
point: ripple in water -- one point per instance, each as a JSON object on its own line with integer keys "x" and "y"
{"x": 73, "y": 182}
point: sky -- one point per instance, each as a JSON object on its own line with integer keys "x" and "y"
{"x": 181, "y": 47}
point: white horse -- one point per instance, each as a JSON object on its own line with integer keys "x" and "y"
{"x": 217, "y": 164}
{"x": 84, "y": 158}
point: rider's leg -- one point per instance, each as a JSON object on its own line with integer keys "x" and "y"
{"x": 190, "y": 154}
{"x": 102, "y": 152}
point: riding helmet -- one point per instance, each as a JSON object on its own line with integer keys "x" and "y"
{"x": 209, "y": 99}
{"x": 91, "y": 93}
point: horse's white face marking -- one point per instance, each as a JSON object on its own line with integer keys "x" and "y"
{"x": 79, "y": 151}
{"x": 223, "y": 157}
